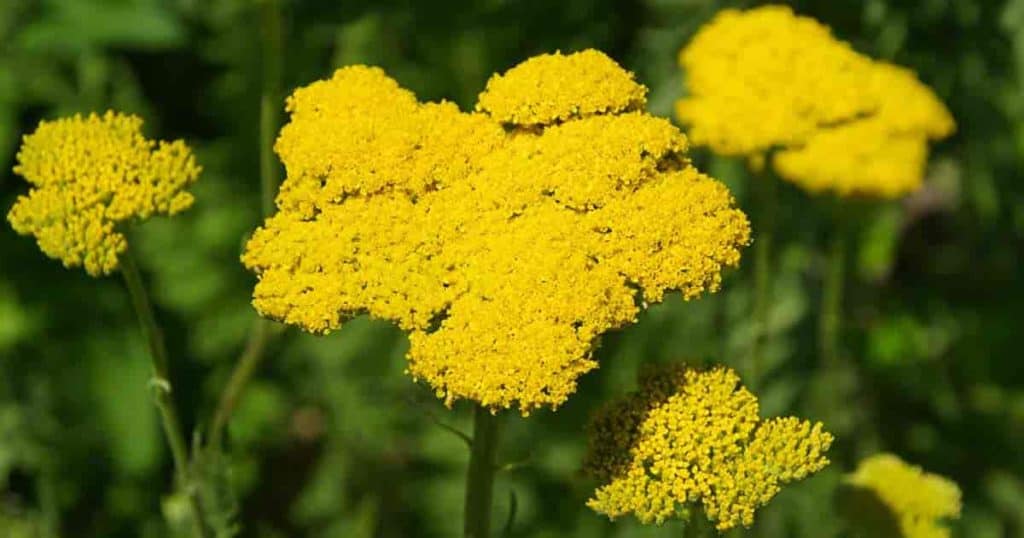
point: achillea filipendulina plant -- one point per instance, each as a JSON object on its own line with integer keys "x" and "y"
{"x": 766, "y": 80}
{"x": 691, "y": 436}
{"x": 92, "y": 175}
{"x": 503, "y": 241}
{"x": 917, "y": 499}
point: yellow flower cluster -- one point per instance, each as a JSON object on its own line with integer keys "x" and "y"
{"x": 547, "y": 90}
{"x": 503, "y": 241}
{"x": 918, "y": 500}
{"x": 689, "y": 435}
{"x": 90, "y": 175}
{"x": 766, "y": 79}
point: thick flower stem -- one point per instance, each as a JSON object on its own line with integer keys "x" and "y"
{"x": 270, "y": 93}
{"x": 161, "y": 384}
{"x": 765, "y": 193}
{"x": 697, "y": 526}
{"x": 480, "y": 477}
{"x": 829, "y": 323}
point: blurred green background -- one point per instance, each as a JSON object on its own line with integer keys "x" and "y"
{"x": 332, "y": 439}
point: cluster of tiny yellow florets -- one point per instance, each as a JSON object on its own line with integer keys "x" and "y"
{"x": 766, "y": 79}
{"x": 90, "y": 175}
{"x": 503, "y": 241}
{"x": 547, "y": 89}
{"x": 692, "y": 436}
{"x": 918, "y": 500}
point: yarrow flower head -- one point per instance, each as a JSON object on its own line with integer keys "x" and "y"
{"x": 504, "y": 241}
{"x": 689, "y": 436}
{"x": 918, "y": 500}
{"x": 90, "y": 176}
{"x": 766, "y": 79}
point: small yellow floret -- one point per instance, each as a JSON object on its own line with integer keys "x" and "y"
{"x": 691, "y": 436}
{"x": 766, "y": 79}
{"x": 919, "y": 500}
{"x": 551, "y": 88}
{"x": 503, "y": 254}
{"x": 90, "y": 175}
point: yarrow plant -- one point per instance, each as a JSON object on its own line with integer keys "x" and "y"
{"x": 690, "y": 436}
{"x": 768, "y": 84}
{"x": 91, "y": 176}
{"x": 503, "y": 241}
{"x": 918, "y": 500}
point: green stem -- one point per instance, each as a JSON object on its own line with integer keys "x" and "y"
{"x": 251, "y": 357}
{"x": 270, "y": 102}
{"x": 161, "y": 383}
{"x": 829, "y": 323}
{"x": 244, "y": 369}
{"x": 697, "y": 526}
{"x": 765, "y": 192}
{"x": 480, "y": 477}
{"x": 49, "y": 503}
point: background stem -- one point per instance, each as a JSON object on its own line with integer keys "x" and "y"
{"x": 270, "y": 102}
{"x": 829, "y": 325}
{"x": 480, "y": 477}
{"x": 270, "y": 99}
{"x": 162, "y": 383}
{"x": 765, "y": 200}
{"x": 244, "y": 369}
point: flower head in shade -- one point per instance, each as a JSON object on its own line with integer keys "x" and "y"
{"x": 504, "y": 242}
{"x": 689, "y": 436}
{"x": 768, "y": 80}
{"x": 918, "y": 500}
{"x": 90, "y": 175}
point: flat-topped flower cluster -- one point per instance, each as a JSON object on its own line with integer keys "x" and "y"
{"x": 689, "y": 436}
{"x": 919, "y": 500}
{"x": 766, "y": 79}
{"x": 503, "y": 241}
{"x": 91, "y": 175}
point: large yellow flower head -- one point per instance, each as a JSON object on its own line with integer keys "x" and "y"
{"x": 766, "y": 79}
{"x": 689, "y": 436}
{"x": 90, "y": 175}
{"x": 505, "y": 241}
{"x": 917, "y": 499}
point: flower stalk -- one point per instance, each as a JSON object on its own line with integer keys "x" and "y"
{"x": 830, "y": 320}
{"x": 261, "y": 330}
{"x": 765, "y": 193}
{"x": 244, "y": 369}
{"x": 480, "y": 476}
{"x": 696, "y": 526}
{"x": 162, "y": 385}
{"x": 270, "y": 117}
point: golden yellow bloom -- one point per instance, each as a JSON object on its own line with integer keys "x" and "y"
{"x": 552, "y": 88}
{"x": 919, "y": 500}
{"x": 766, "y": 79}
{"x": 503, "y": 253}
{"x": 689, "y": 435}
{"x": 90, "y": 175}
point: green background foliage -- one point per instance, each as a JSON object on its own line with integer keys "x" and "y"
{"x": 333, "y": 440}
